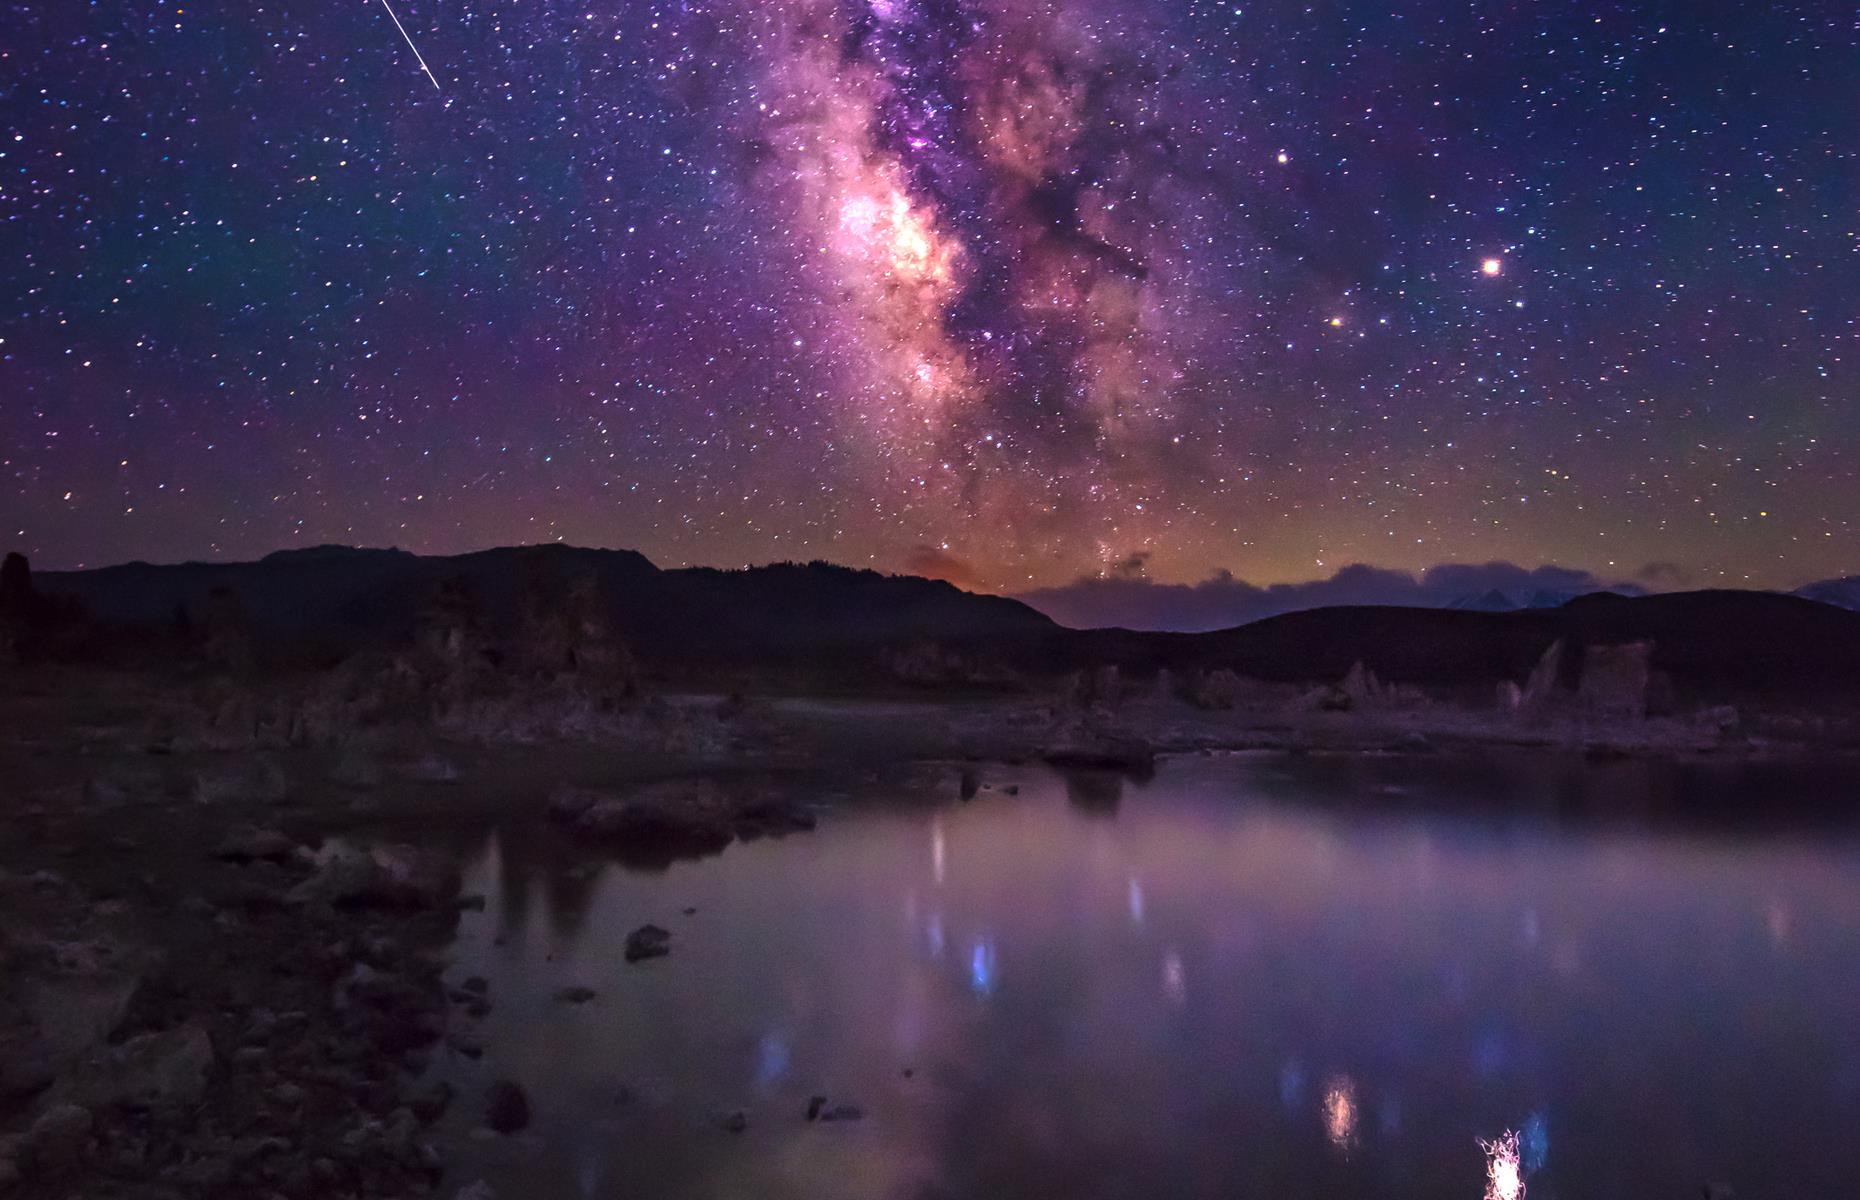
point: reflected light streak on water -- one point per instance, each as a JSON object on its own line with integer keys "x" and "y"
{"x": 982, "y": 966}
{"x": 1174, "y": 978}
{"x": 1504, "y": 1172}
{"x": 1340, "y": 1112}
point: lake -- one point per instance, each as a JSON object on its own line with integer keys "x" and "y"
{"x": 1252, "y": 976}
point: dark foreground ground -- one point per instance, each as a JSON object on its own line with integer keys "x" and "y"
{"x": 221, "y": 953}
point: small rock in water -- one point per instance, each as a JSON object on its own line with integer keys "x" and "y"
{"x": 648, "y": 941}
{"x": 507, "y": 1109}
{"x": 843, "y": 1112}
{"x": 814, "y": 1105}
{"x": 735, "y": 1122}
{"x": 970, "y": 783}
{"x": 575, "y": 995}
{"x": 430, "y": 1103}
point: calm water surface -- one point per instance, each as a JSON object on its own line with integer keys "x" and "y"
{"x": 1247, "y": 977}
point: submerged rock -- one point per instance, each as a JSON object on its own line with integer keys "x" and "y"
{"x": 507, "y": 1108}
{"x": 430, "y": 1103}
{"x": 648, "y": 941}
{"x": 575, "y": 994}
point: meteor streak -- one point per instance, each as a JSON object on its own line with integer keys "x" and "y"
{"x": 412, "y": 47}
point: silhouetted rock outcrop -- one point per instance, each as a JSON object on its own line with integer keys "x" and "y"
{"x": 16, "y": 608}
{"x": 16, "y": 595}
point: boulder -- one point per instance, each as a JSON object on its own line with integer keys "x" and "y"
{"x": 58, "y": 1002}
{"x": 683, "y": 816}
{"x": 383, "y": 876}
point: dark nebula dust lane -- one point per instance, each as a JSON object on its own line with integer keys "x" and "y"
{"x": 1009, "y": 291}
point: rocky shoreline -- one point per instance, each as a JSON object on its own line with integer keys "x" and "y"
{"x": 221, "y": 965}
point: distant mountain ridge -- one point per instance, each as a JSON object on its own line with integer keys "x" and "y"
{"x": 1842, "y": 593}
{"x": 1715, "y": 645}
{"x": 1500, "y": 601}
{"x": 357, "y": 597}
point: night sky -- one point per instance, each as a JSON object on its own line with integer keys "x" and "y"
{"x": 1001, "y": 290}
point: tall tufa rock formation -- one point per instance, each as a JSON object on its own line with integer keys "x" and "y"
{"x": 17, "y": 603}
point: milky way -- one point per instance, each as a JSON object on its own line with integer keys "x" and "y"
{"x": 993, "y": 207}
{"x": 1002, "y": 290}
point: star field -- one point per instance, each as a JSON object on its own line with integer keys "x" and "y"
{"x": 1005, "y": 290}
